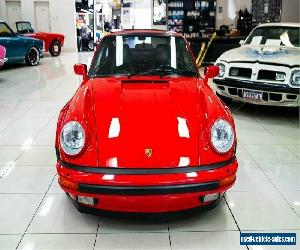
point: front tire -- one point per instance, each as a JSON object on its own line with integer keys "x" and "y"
{"x": 91, "y": 45}
{"x": 79, "y": 44}
{"x": 55, "y": 48}
{"x": 32, "y": 57}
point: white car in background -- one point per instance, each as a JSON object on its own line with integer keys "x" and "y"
{"x": 265, "y": 69}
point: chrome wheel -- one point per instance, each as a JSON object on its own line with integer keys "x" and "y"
{"x": 33, "y": 56}
{"x": 55, "y": 48}
{"x": 91, "y": 45}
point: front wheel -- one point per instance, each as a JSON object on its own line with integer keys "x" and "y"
{"x": 33, "y": 56}
{"x": 79, "y": 44}
{"x": 55, "y": 48}
{"x": 91, "y": 45}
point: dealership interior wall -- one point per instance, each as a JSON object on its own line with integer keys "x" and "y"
{"x": 135, "y": 112}
{"x": 62, "y": 14}
{"x": 61, "y": 17}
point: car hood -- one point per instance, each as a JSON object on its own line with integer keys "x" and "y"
{"x": 49, "y": 34}
{"x": 43, "y": 34}
{"x": 286, "y": 56}
{"x": 31, "y": 39}
{"x": 143, "y": 123}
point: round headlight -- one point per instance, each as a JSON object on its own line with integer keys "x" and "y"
{"x": 221, "y": 69}
{"x": 222, "y": 136}
{"x": 295, "y": 79}
{"x": 72, "y": 138}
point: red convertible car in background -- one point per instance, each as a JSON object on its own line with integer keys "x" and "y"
{"x": 144, "y": 132}
{"x": 3, "y": 59}
{"x": 53, "y": 41}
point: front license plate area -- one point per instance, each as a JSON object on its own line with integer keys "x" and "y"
{"x": 253, "y": 95}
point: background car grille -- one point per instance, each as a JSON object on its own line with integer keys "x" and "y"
{"x": 270, "y": 75}
{"x": 240, "y": 72}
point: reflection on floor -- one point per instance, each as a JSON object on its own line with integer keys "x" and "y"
{"x": 35, "y": 214}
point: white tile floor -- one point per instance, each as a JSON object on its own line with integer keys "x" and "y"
{"x": 36, "y": 214}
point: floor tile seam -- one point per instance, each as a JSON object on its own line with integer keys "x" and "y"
{"x": 298, "y": 157}
{"x": 13, "y": 120}
{"x": 285, "y": 146}
{"x": 38, "y": 207}
{"x": 16, "y": 193}
{"x": 50, "y": 233}
{"x": 95, "y": 240}
{"x": 14, "y": 162}
{"x": 235, "y": 221}
{"x": 273, "y": 184}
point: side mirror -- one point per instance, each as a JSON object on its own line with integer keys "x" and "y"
{"x": 80, "y": 69}
{"x": 242, "y": 42}
{"x": 211, "y": 72}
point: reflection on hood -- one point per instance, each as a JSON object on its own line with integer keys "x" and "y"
{"x": 266, "y": 52}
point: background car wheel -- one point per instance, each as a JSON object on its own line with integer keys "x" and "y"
{"x": 91, "y": 45}
{"x": 79, "y": 44}
{"x": 55, "y": 48}
{"x": 33, "y": 56}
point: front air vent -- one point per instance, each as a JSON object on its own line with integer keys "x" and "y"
{"x": 240, "y": 72}
{"x": 144, "y": 81}
{"x": 270, "y": 75}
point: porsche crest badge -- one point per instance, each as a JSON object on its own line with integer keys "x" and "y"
{"x": 148, "y": 152}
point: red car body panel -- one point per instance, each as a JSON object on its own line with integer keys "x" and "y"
{"x": 171, "y": 115}
{"x": 47, "y": 37}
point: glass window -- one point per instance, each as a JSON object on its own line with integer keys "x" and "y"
{"x": 277, "y": 35}
{"x": 143, "y": 55}
{"x": 24, "y": 27}
{"x": 5, "y": 30}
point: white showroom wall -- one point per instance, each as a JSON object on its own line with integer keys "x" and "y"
{"x": 62, "y": 17}
{"x": 230, "y": 11}
{"x": 290, "y": 11}
{"x": 142, "y": 14}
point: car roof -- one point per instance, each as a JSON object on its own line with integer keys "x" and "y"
{"x": 280, "y": 25}
{"x": 144, "y": 31}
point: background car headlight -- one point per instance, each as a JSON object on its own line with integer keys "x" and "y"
{"x": 222, "y": 69}
{"x": 295, "y": 79}
{"x": 222, "y": 136}
{"x": 72, "y": 138}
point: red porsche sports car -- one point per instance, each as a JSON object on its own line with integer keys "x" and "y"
{"x": 53, "y": 41}
{"x": 144, "y": 132}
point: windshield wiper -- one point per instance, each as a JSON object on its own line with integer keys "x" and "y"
{"x": 179, "y": 72}
{"x": 148, "y": 72}
{"x": 164, "y": 72}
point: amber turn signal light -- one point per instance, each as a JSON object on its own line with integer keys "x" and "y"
{"x": 68, "y": 184}
{"x": 227, "y": 180}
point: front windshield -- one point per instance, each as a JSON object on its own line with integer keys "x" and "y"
{"x": 5, "y": 30}
{"x": 143, "y": 54}
{"x": 24, "y": 27}
{"x": 275, "y": 36}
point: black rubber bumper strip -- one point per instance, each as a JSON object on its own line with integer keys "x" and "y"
{"x": 148, "y": 190}
{"x": 265, "y": 63}
{"x": 146, "y": 171}
{"x": 264, "y": 86}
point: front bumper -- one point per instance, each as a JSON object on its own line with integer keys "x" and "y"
{"x": 147, "y": 192}
{"x": 42, "y": 51}
{"x": 272, "y": 94}
{"x": 2, "y": 61}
